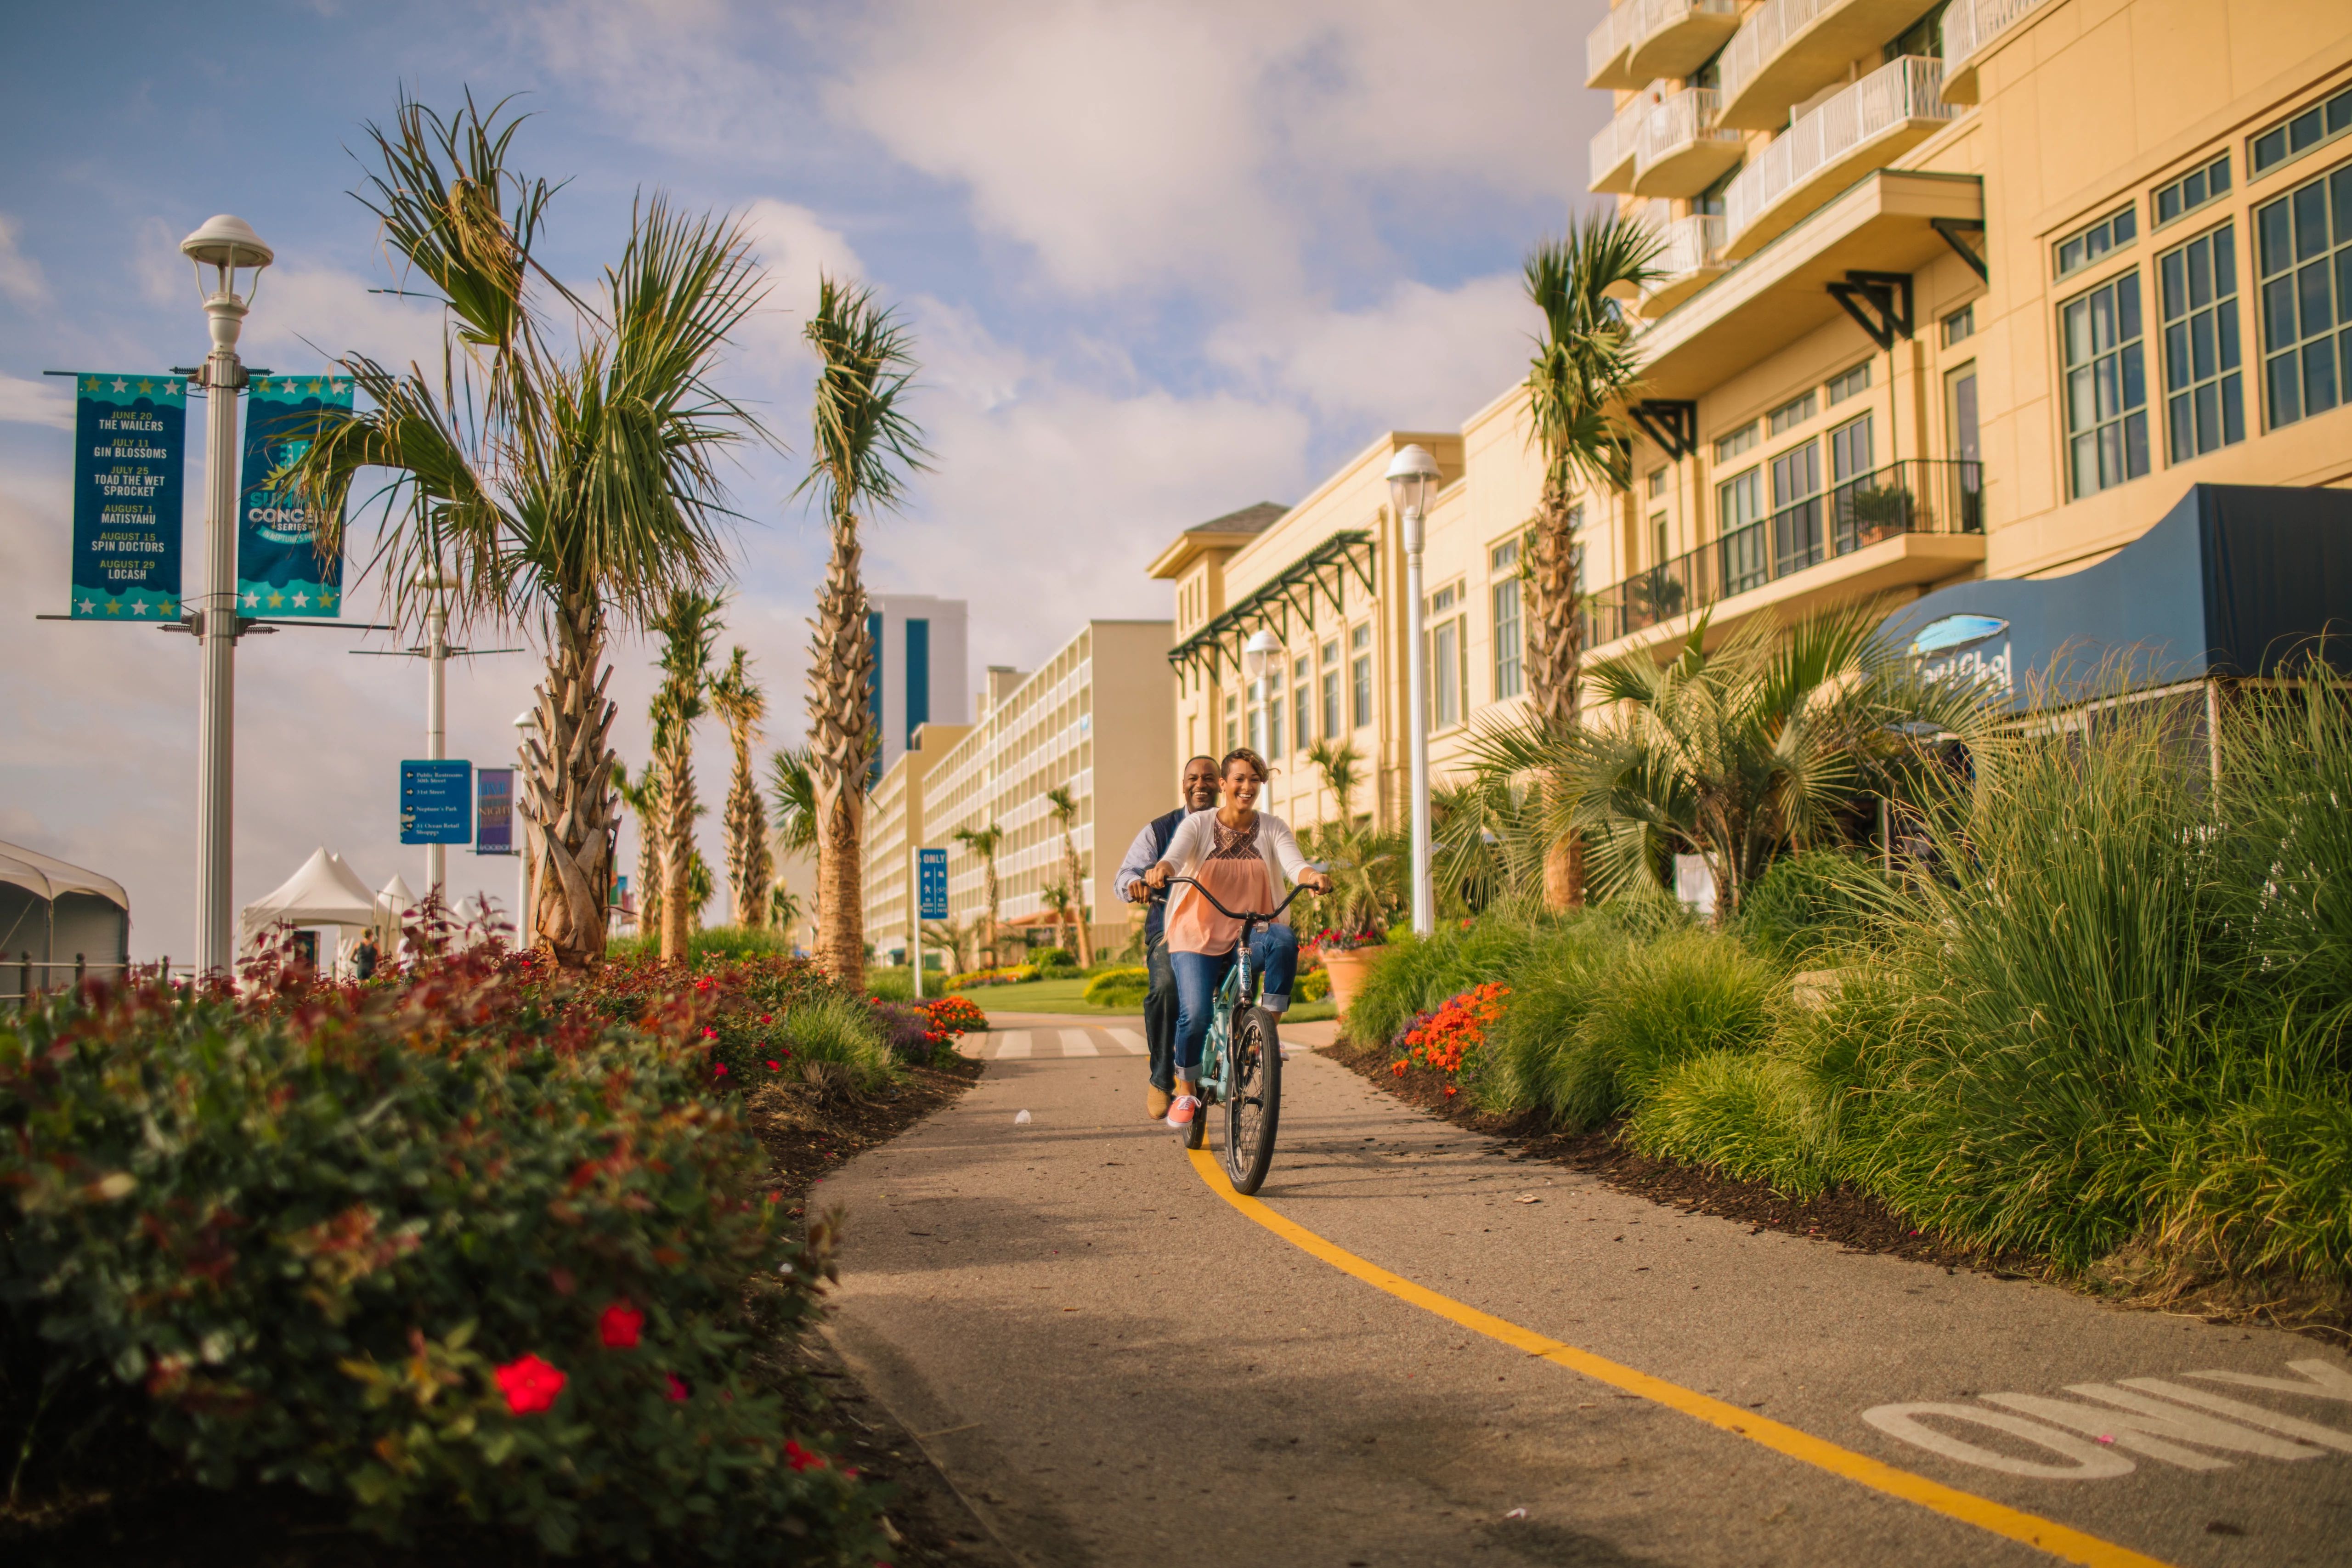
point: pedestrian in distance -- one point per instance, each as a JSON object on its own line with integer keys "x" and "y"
{"x": 364, "y": 957}
{"x": 1198, "y": 790}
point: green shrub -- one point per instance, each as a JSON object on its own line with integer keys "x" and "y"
{"x": 838, "y": 1030}
{"x": 706, "y": 942}
{"x": 1051, "y": 962}
{"x": 1809, "y": 904}
{"x": 1124, "y": 987}
{"x": 452, "y": 1246}
{"x": 1414, "y": 974}
{"x": 1315, "y": 985}
{"x": 1529, "y": 1052}
{"x": 896, "y": 982}
{"x": 1745, "y": 1113}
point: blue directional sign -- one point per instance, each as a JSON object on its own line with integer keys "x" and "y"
{"x": 437, "y": 803}
{"x": 932, "y": 883}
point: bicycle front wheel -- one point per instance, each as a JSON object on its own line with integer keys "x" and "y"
{"x": 1253, "y": 1105}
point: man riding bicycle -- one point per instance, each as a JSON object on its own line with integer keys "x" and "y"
{"x": 1240, "y": 856}
{"x": 1198, "y": 789}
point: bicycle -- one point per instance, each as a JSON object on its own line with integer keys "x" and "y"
{"x": 1240, "y": 1061}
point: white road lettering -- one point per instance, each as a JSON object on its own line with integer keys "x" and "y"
{"x": 2091, "y": 1462}
{"x": 2150, "y": 1429}
{"x": 2252, "y": 1415}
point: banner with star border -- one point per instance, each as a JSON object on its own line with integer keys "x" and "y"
{"x": 130, "y": 451}
{"x": 279, "y": 571}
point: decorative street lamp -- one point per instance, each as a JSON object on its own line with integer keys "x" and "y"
{"x": 526, "y": 725}
{"x": 226, "y": 245}
{"x": 436, "y": 581}
{"x": 1413, "y": 480}
{"x": 1258, "y": 656}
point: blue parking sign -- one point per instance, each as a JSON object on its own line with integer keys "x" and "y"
{"x": 932, "y": 883}
{"x": 437, "y": 803}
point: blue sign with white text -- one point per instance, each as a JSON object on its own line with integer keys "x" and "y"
{"x": 437, "y": 803}
{"x": 281, "y": 569}
{"x": 130, "y": 449}
{"x": 932, "y": 883}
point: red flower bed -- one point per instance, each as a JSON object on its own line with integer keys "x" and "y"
{"x": 1443, "y": 1039}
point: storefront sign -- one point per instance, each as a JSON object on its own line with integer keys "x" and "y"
{"x": 129, "y": 451}
{"x": 279, "y": 571}
{"x": 437, "y": 803}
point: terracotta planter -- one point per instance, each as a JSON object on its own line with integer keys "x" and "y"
{"x": 1347, "y": 970}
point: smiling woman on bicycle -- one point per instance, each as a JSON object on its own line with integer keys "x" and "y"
{"x": 1240, "y": 855}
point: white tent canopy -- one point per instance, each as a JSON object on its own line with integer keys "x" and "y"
{"x": 45, "y": 877}
{"x": 324, "y": 892}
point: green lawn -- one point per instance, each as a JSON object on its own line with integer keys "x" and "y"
{"x": 1069, "y": 996}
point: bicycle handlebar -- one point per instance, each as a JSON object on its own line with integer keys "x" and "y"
{"x": 1296, "y": 888}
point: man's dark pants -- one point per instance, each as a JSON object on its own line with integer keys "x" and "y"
{"x": 1160, "y": 1016}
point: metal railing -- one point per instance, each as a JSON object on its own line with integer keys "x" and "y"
{"x": 1765, "y": 33}
{"x": 1616, "y": 144}
{"x": 25, "y": 975}
{"x": 1654, "y": 16}
{"x": 1676, "y": 122}
{"x": 1607, "y": 40}
{"x": 1692, "y": 244}
{"x": 1971, "y": 24}
{"x": 1915, "y": 496}
{"x": 1894, "y": 94}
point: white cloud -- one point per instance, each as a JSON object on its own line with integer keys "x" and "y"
{"x": 28, "y": 400}
{"x": 20, "y": 275}
{"x": 1421, "y": 359}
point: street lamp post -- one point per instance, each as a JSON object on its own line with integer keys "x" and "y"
{"x": 1258, "y": 656}
{"x": 526, "y": 725}
{"x": 225, "y": 244}
{"x": 436, "y": 581}
{"x": 1413, "y": 480}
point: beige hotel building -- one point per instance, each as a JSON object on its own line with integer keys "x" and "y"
{"x": 1966, "y": 296}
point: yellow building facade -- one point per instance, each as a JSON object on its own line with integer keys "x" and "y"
{"x": 1949, "y": 291}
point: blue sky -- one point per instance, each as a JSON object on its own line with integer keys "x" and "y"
{"x": 1162, "y": 260}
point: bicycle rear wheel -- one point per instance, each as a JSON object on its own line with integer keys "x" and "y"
{"x": 1253, "y": 1109}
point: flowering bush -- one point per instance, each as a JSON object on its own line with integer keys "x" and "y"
{"x": 1443, "y": 1039}
{"x": 1009, "y": 974}
{"x": 460, "y": 1244}
{"x": 1329, "y": 941}
{"x": 954, "y": 1016}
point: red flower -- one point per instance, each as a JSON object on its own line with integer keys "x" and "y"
{"x": 703, "y": 983}
{"x": 1397, "y": 1068}
{"x": 773, "y": 1068}
{"x": 800, "y": 1459}
{"x": 708, "y": 1033}
{"x": 720, "y": 1071}
{"x": 621, "y": 1326}
{"x": 673, "y": 1388}
{"x": 765, "y": 1018}
{"x": 529, "y": 1385}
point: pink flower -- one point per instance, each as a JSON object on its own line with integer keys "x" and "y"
{"x": 673, "y": 1388}
{"x": 529, "y": 1385}
{"x": 621, "y": 1326}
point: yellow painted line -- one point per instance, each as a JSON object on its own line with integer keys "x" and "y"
{"x": 2059, "y": 1541}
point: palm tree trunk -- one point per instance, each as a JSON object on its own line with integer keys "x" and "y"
{"x": 1077, "y": 900}
{"x": 568, "y": 797}
{"x": 995, "y": 950}
{"x": 649, "y": 863}
{"x": 1555, "y": 661}
{"x": 677, "y": 844}
{"x": 841, "y": 732}
{"x": 751, "y": 865}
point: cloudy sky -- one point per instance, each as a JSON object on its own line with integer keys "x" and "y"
{"x": 1162, "y": 260}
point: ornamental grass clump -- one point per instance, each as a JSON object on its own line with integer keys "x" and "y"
{"x": 455, "y": 1248}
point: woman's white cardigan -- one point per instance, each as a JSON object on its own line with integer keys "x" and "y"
{"x": 1196, "y": 835}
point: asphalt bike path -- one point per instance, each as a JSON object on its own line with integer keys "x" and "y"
{"x": 1416, "y": 1349}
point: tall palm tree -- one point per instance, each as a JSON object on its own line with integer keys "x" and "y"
{"x": 1064, "y": 805}
{"x": 865, "y": 448}
{"x": 984, "y": 842}
{"x": 1056, "y": 897}
{"x": 1583, "y": 369}
{"x": 644, "y": 800}
{"x": 751, "y": 864}
{"x": 1341, "y": 767}
{"x": 688, "y": 625}
{"x": 563, "y": 458}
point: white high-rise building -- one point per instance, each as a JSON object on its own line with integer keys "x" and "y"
{"x": 918, "y": 667}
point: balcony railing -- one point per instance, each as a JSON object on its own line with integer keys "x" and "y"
{"x": 1968, "y": 27}
{"x": 1614, "y": 147}
{"x": 1692, "y": 256}
{"x": 1675, "y": 37}
{"x": 1764, "y": 34}
{"x": 1606, "y": 47}
{"x": 1917, "y": 496}
{"x": 1679, "y": 151}
{"x": 1891, "y": 98}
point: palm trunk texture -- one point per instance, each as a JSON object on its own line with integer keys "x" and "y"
{"x": 568, "y": 795}
{"x": 750, "y": 866}
{"x": 677, "y": 809}
{"x": 1077, "y": 900}
{"x": 1555, "y": 667}
{"x": 841, "y": 734}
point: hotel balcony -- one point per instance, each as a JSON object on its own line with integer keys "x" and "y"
{"x": 1671, "y": 38}
{"x": 1866, "y": 127}
{"x": 1616, "y": 146}
{"x": 1692, "y": 259}
{"x": 1606, "y": 50}
{"x": 1970, "y": 28}
{"x": 1677, "y": 153}
{"x": 1908, "y": 524}
{"x": 1787, "y": 50}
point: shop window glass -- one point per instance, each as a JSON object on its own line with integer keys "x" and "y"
{"x": 2204, "y": 407}
{"x": 2107, "y": 386}
{"x": 2303, "y": 251}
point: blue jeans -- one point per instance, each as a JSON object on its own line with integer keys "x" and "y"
{"x": 1273, "y": 954}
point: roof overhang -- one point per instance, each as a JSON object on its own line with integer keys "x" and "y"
{"x": 1193, "y": 544}
{"x": 1884, "y": 222}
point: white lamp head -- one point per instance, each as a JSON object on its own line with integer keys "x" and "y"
{"x": 225, "y": 244}
{"x": 1262, "y": 646}
{"x": 1413, "y": 480}
{"x": 526, "y": 721}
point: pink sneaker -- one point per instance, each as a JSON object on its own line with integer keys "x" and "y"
{"x": 1181, "y": 1113}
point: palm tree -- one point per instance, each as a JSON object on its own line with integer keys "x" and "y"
{"x": 1583, "y": 369}
{"x": 1742, "y": 753}
{"x": 1064, "y": 807}
{"x": 1056, "y": 897}
{"x": 688, "y": 625}
{"x": 751, "y": 864}
{"x": 644, "y": 800}
{"x": 984, "y": 842}
{"x": 783, "y": 909}
{"x": 864, "y": 447}
{"x": 955, "y": 936}
{"x": 1339, "y": 767}
{"x": 571, "y": 487}
{"x": 1366, "y": 864}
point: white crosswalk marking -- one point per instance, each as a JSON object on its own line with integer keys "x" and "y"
{"x": 1016, "y": 1044}
{"x": 1078, "y": 1042}
{"x": 1129, "y": 1041}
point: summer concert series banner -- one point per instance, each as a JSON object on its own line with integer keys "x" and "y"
{"x": 279, "y": 571}
{"x": 130, "y": 453}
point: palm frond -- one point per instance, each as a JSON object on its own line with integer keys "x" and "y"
{"x": 866, "y": 445}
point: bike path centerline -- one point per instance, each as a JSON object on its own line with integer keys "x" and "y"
{"x": 2031, "y": 1529}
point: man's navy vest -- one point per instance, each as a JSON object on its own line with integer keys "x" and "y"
{"x": 1164, "y": 830}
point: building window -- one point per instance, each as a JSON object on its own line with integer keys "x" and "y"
{"x": 1233, "y": 724}
{"x": 1857, "y": 380}
{"x": 2320, "y": 122}
{"x": 1740, "y": 440}
{"x": 1658, "y": 483}
{"x": 1740, "y": 507}
{"x": 2305, "y": 235}
{"x": 1849, "y": 447}
{"x": 1332, "y": 727}
{"x": 1797, "y": 509}
{"x": 1510, "y": 639}
{"x": 1360, "y": 643}
{"x": 2191, "y": 191}
{"x": 1302, "y": 703}
{"x": 1658, "y": 539}
{"x": 1274, "y": 746}
{"x": 1791, "y": 414}
{"x": 2107, "y": 386}
{"x": 2086, "y": 245}
{"x": 1960, "y": 325}
{"x": 2203, "y": 407}
{"x": 1447, "y": 676}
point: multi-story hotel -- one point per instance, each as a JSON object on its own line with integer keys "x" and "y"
{"x": 1095, "y": 717}
{"x": 1972, "y": 293}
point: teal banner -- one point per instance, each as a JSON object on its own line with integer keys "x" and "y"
{"x": 129, "y": 456}
{"x": 279, "y": 569}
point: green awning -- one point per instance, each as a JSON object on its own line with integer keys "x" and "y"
{"x": 1291, "y": 592}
